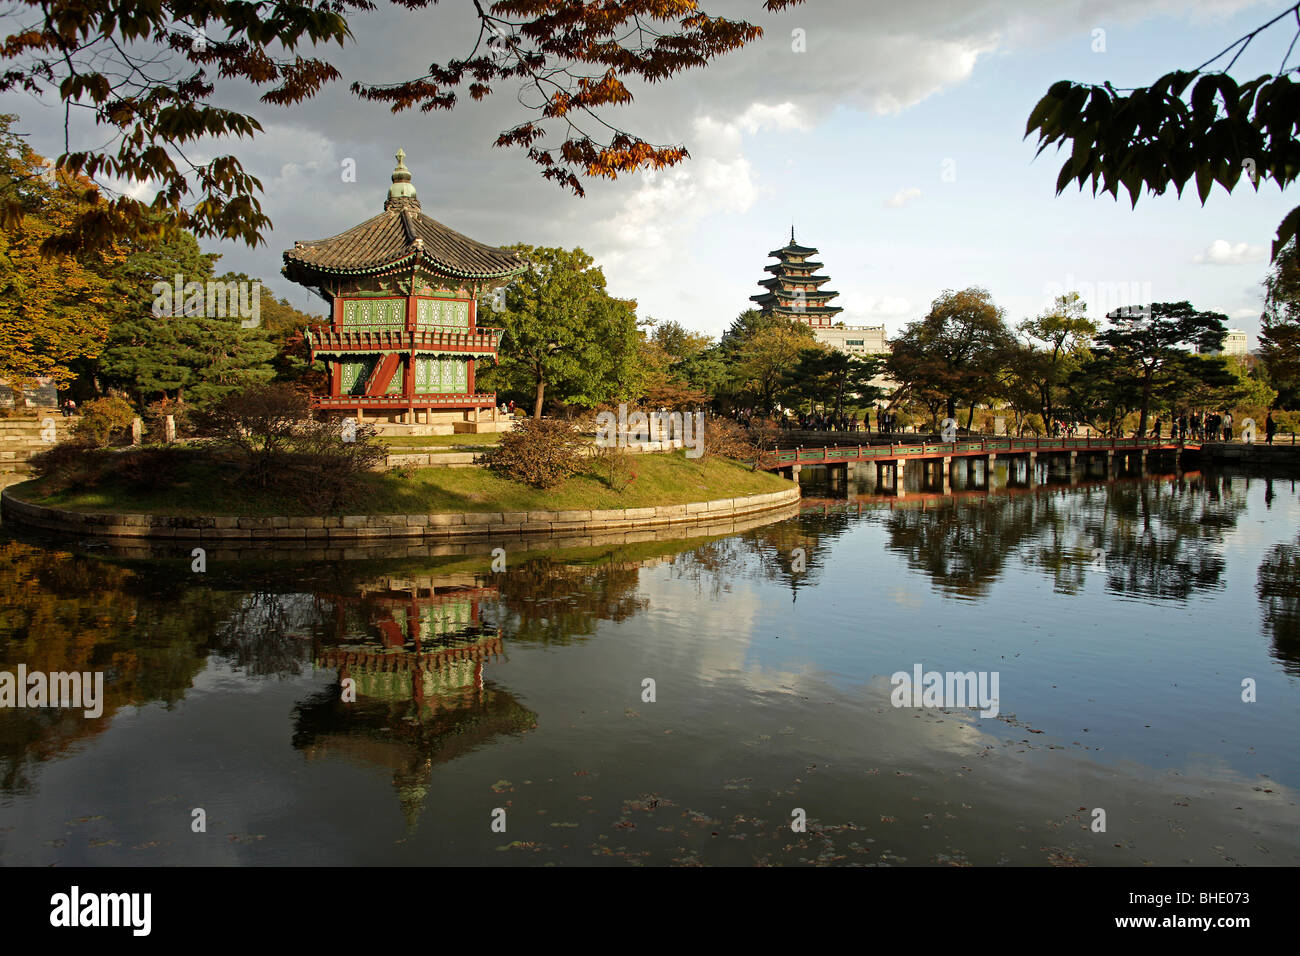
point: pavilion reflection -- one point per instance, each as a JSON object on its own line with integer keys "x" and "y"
{"x": 414, "y": 651}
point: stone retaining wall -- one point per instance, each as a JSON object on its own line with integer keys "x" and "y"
{"x": 1278, "y": 456}
{"x": 470, "y": 459}
{"x": 350, "y": 528}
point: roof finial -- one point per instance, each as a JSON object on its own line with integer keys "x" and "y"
{"x": 401, "y": 188}
{"x": 792, "y": 234}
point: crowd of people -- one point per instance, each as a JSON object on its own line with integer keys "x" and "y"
{"x": 1187, "y": 426}
{"x": 886, "y": 422}
{"x": 1208, "y": 426}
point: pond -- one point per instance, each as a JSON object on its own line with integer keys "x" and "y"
{"x": 719, "y": 700}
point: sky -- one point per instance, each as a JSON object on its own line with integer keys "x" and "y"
{"x": 889, "y": 135}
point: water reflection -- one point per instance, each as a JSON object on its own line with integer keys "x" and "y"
{"x": 402, "y": 668}
{"x": 149, "y": 635}
{"x": 1279, "y": 598}
{"x": 1154, "y": 539}
{"x": 409, "y": 692}
{"x": 413, "y": 645}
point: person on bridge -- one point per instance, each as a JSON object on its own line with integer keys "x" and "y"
{"x": 1156, "y": 430}
{"x": 1227, "y": 426}
{"x": 1270, "y": 428}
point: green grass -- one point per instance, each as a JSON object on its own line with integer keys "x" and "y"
{"x": 202, "y": 489}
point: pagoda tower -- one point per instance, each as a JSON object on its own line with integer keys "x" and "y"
{"x": 793, "y": 290}
{"x": 403, "y": 337}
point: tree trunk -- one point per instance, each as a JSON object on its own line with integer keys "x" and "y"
{"x": 970, "y": 416}
{"x": 1146, "y": 404}
{"x": 541, "y": 391}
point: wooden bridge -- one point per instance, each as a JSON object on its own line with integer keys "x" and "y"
{"x": 1024, "y": 456}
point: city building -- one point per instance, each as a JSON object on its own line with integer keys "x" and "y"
{"x": 1235, "y": 343}
{"x": 854, "y": 339}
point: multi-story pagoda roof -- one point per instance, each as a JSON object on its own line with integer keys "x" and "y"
{"x": 400, "y": 235}
{"x": 793, "y": 290}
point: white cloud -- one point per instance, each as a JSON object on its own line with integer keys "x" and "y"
{"x": 903, "y": 197}
{"x": 644, "y": 237}
{"x": 1221, "y": 252}
{"x": 871, "y": 309}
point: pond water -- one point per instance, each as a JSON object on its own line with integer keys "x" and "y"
{"x": 1124, "y": 624}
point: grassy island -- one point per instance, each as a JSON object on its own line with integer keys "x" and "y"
{"x": 201, "y": 487}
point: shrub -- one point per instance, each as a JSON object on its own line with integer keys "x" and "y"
{"x": 539, "y": 452}
{"x": 614, "y": 465}
{"x": 724, "y": 438}
{"x": 156, "y": 412}
{"x": 70, "y": 465}
{"x": 258, "y": 425}
{"x": 322, "y": 470}
{"x": 148, "y": 469}
{"x": 102, "y": 420}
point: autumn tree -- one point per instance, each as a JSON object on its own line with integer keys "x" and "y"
{"x": 52, "y": 309}
{"x": 955, "y": 351}
{"x": 759, "y": 349}
{"x": 146, "y": 74}
{"x": 565, "y": 336}
{"x": 664, "y": 358}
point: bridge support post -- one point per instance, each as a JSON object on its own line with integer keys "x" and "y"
{"x": 1142, "y": 463}
{"x": 1031, "y": 473}
{"x": 946, "y": 478}
{"x": 900, "y": 473}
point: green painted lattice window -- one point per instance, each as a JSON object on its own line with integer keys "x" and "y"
{"x": 441, "y": 313}
{"x": 444, "y": 620}
{"x": 355, "y": 375}
{"x": 374, "y": 313}
{"x": 441, "y": 375}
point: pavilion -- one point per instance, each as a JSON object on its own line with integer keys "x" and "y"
{"x": 403, "y": 340}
